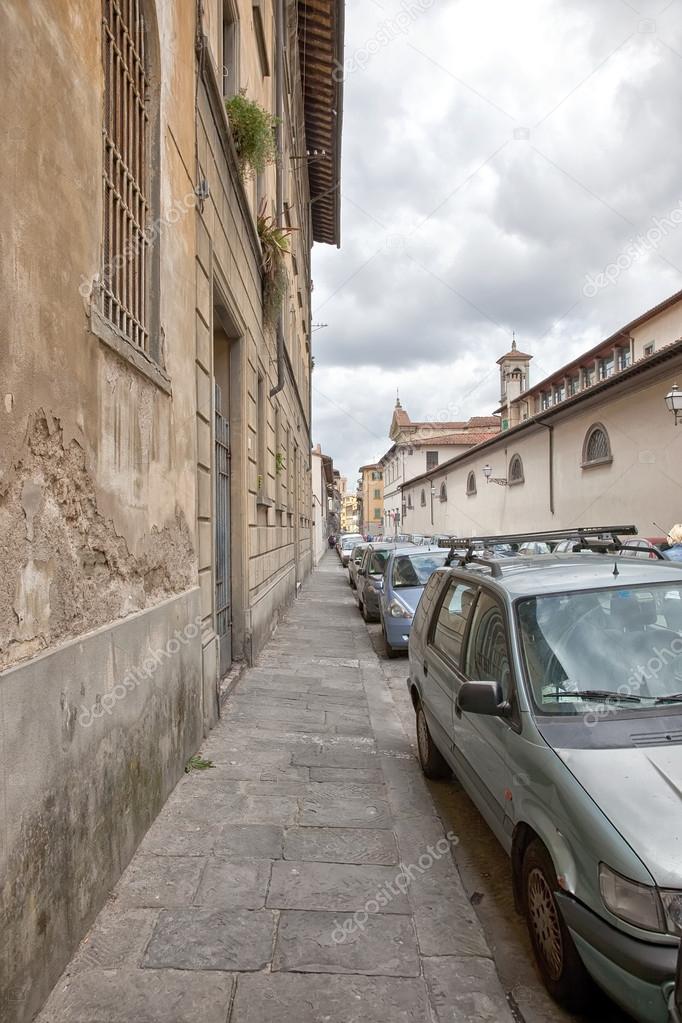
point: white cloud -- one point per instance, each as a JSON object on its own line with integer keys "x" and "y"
{"x": 456, "y": 228}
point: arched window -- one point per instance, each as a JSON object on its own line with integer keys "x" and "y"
{"x": 515, "y": 474}
{"x": 409, "y": 500}
{"x": 423, "y": 499}
{"x": 128, "y": 283}
{"x": 471, "y": 484}
{"x": 443, "y": 491}
{"x": 596, "y": 447}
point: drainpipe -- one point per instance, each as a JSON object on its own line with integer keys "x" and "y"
{"x": 550, "y": 466}
{"x": 279, "y": 143}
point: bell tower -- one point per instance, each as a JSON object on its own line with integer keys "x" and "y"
{"x": 514, "y": 380}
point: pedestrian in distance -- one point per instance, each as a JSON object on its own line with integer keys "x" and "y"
{"x": 674, "y": 552}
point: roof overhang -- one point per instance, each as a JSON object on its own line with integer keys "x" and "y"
{"x": 320, "y": 41}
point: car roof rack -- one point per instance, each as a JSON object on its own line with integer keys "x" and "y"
{"x": 600, "y": 539}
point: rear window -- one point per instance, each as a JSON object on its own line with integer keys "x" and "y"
{"x": 377, "y": 562}
{"x": 416, "y": 569}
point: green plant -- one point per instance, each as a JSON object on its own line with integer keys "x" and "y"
{"x": 253, "y": 133}
{"x": 279, "y": 462}
{"x": 274, "y": 241}
{"x": 260, "y": 481}
{"x": 197, "y": 763}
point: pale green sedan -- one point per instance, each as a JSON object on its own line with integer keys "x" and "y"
{"x": 552, "y": 686}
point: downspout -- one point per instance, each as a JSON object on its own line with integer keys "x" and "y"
{"x": 279, "y": 144}
{"x": 550, "y": 466}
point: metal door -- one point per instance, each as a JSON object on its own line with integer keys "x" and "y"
{"x": 223, "y": 595}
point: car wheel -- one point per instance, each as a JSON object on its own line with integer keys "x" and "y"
{"x": 351, "y": 582}
{"x": 390, "y": 650}
{"x": 431, "y": 759}
{"x": 561, "y": 967}
{"x": 363, "y": 612}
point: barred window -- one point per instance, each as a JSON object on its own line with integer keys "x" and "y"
{"x": 471, "y": 484}
{"x": 422, "y": 499}
{"x": 596, "y": 446}
{"x": 443, "y": 492}
{"x": 126, "y": 262}
{"x": 515, "y": 470}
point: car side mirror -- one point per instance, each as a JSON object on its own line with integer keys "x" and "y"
{"x": 483, "y": 698}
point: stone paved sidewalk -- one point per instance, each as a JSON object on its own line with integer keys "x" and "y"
{"x": 271, "y": 887}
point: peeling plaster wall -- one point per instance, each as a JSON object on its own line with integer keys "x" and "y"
{"x": 63, "y": 567}
{"x": 97, "y": 493}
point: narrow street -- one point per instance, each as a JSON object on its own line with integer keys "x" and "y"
{"x": 270, "y": 886}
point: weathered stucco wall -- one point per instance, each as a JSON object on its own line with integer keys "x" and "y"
{"x": 63, "y": 567}
{"x": 97, "y": 491}
{"x": 94, "y": 737}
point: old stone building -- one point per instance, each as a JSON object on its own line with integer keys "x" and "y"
{"x": 155, "y": 485}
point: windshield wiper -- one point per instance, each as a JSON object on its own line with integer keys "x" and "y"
{"x": 592, "y": 694}
{"x": 673, "y": 698}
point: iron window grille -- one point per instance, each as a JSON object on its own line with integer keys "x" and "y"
{"x": 423, "y": 499}
{"x": 471, "y": 484}
{"x": 596, "y": 447}
{"x": 515, "y": 474}
{"x": 126, "y": 133}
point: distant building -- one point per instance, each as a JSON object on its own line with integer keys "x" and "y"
{"x": 591, "y": 444}
{"x": 349, "y": 513}
{"x": 372, "y": 505}
{"x": 420, "y": 446}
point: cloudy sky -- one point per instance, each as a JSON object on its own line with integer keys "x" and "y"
{"x": 505, "y": 167}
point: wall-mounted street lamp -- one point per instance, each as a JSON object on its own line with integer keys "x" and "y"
{"x": 673, "y": 400}
{"x": 489, "y": 478}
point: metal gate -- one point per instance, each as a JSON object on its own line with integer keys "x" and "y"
{"x": 222, "y": 535}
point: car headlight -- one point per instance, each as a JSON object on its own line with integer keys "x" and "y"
{"x": 637, "y": 904}
{"x": 398, "y": 610}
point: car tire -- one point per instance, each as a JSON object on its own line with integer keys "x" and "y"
{"x": 361, "y": 608}
{"x": 557, "y": 958}
{"x": 431, "y": 760}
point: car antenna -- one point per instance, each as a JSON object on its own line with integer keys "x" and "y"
{"x": 663, "y": 531}
{"x": 615, "y": 568}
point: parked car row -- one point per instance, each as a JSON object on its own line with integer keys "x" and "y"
{"x": 552, "y": 688}
{"x": 388, "y": 579}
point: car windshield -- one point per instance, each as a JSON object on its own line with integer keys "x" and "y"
{"x": 350, "y": 541}
{"x": 621, "y": 648}
{"x": 415, "y": 569}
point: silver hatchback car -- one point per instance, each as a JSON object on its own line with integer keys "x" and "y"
{"x": 552, "y": 686}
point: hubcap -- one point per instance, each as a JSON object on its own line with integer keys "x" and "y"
{"x": 422, "y": 737}
{"x": 544, "y": 919}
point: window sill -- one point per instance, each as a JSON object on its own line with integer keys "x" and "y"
{"x": 108, "y": 335}
{"x": 597, "y": 463}
{"x": 264, "y": 502}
